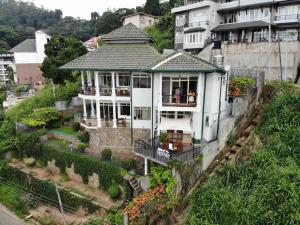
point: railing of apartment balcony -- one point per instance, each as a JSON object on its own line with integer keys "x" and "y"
{"x": 180, "y": 101}
{"x": 88, "y": 91}
{"x": 89, "y": 121}
{"x": 156, "y": 151}
{"x": 186, "y": 2}
{"x": 123, "y": 91}
{"x": 197, "y": 24}
{"x": 105, "y": 91}
{"x": 287, "y": 17}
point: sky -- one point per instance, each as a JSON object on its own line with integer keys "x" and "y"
{"x": 83, "y": 9}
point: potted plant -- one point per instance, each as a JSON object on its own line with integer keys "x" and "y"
{"x": 164, "y": 140}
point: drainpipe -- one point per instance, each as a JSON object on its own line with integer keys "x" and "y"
{"x": 219, "y": 111}
{"x": 131, "y": 111}
{"x": 203, "y": 109}
{"x": 152, "y": 110}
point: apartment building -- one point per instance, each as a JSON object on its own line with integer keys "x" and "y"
{"x": 140, "y": 20}
{"x": 6, "y": 61}
{"x": 199, "y": 22}
{"x": 131, "y": 92}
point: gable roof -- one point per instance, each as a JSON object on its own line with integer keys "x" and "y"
{"x": 29, "y": 45}
{"x": 117, "y": 57}
{"x": 128, "y": 32}
{"x": 184, "y": 62}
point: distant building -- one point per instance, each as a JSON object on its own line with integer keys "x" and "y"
{"x": 91, "y": 44}
{"x": 29, "y": 55}
{"x": 140, "y": 20}
{"x": 6, "y": 61}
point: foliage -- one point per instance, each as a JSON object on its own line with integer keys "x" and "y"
{"x": 3, "y": 96}
{"x": 66, "y": 130}
{"x": 153, "y": 7}
{"x": 163, "y": 137}
{"x": 60, "y": 51}
{"x": 149, "y": 206}
{"x": 265, "y": 189}
{"x": 80, "y": 148}
{"x": 106, "y": 154}
{"x": 19, "y": 89}
{"x": 43, "y": 117}
{"x": 114, "y": 191}
{"x": 84, "y": 136}
{"x": 238, "y": 85}
{"x": 163, "y": 176}
{"x": 76, "y": 126}
{"x": 47, "y": 189}
{"x": 162, "y": 32}
{"x": 29, "y": 161}
{"x": 84, "y": 165}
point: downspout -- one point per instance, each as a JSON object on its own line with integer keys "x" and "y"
{"x": 131, "y": 111}
{"x": 203, "y": 109}
{"x": 152, "y": 111}
{"x": 219, "y": 112}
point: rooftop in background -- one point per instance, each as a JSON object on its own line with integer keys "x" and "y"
{"x": 127, "y": 34}
{"x": 28, "y": 45}
{"x": 139, "y": 13}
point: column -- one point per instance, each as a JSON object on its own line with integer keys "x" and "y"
{"x": 89, "y": 79}
{"x": 82, "y": 78}
{"x": 114, "y": 114}
{"x": 97, "y": 84}
{"x": 113, "y": 86}
{"x": 92, "y": 109}
{"x": 84, "y": 109}
{"x": 146, "y": 167}
{"x": 98, "y": 113}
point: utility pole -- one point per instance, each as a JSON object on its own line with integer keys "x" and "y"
{"x": 60, "y": 203}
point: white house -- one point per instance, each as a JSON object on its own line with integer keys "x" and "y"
{"x": 234, "y": 21}
{"x": 140, "y": 20}
{"x": 29, "y": 55}
{"x": 132, "y": 94}
{"x": 6, "y": 61}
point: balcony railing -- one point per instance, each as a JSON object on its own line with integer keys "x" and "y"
{"x": 287, "y": 17}
{"x": 105, "y": 91}
{"x": 121, "y": 91}
{"x": 186, "y": 2}
{"x": 88, "y": 91}
{"x": 180, "y": 101}
{"x": 155, "y": 151}
{"x": 197, "y": 24}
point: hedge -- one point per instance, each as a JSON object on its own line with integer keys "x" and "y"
{"x": 84, "y": 165}
{"x": 46, "y": 190}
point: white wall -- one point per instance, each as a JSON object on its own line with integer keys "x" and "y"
{"x": 142, "y": 97}
{"x": 141, "y": 21}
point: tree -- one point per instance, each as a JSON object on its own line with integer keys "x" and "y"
{"x": 94, "y": 16}
{"x": 60, "y": 51}
{"x": 153, "y": 7}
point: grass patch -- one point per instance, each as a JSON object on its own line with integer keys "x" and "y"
{"x": 58, "y": 144}
{"x": 66, "y": 130}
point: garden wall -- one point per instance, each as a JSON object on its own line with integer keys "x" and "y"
{"x": 118, "y": 140}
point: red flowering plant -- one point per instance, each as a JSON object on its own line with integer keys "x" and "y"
{"x": 238, "y": 85}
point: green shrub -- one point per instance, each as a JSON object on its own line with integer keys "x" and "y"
{"x": 68, "y": 117}
{"x": 238, "y": 85}
{"x": 80, "y": 148}
{"x": 114, "y": 191}
{"x": 84, "y": 137}
{"x": 76, "y": 126}
{"x": 106, "y": 154}
{"x": 19, "y": 89}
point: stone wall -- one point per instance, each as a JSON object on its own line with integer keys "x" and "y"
{"x": 117, "y": 139}
{"x": 260, "y": 56}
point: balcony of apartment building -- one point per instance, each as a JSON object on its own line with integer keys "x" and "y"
{"x": 186, "y": 2}
{"x": 179, "y": 92}
{"x": 293, "y": 18}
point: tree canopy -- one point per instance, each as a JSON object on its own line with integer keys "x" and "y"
{"x": 59, "y": 51}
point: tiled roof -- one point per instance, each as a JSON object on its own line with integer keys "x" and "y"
{"x": 28, "y": 45}
{"x": 235, "y": 26}
{"x": 127, "y": 33}
{"x": 184, "y": 62}
{"x": 117, "y": 57}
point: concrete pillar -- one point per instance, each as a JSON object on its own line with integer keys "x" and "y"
{"x": 146, "y": 167}
{"x": 89, "y": 79}
{"x": 84, "y": 109}
{"x": 92, "y": 109}
{"x": 82, "y": 79}
{"x": 113, "y": 86}
{"x": 97, "y": 84}
{"x": 98, "y": 113}
{"x": 114, "y": 114}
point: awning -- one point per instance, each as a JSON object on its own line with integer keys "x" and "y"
{"x": 237, "y": 26}
{"x": 175, "y": 124}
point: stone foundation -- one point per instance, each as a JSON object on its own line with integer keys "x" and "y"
{"x": 118, "y": 140}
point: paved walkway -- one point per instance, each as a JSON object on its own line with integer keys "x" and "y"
{"x": 9, "y": 218}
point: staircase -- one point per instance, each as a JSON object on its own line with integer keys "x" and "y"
{"x": 135, "y": 185}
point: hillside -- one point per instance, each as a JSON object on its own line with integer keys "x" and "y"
{"x": 265, "y": 188}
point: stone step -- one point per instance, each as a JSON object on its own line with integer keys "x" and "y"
{"x": 249, "y": 130}
{"x": 241, "y": 141}
{"x": 223, "y": 161}
{"x": 227, "y": 155}
{"x": 234, "y": 149}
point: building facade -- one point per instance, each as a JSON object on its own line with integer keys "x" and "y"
{"x": 6, "y": 62}
{"x": 140, "y": 20}
{"x": 130, "y": 92}
{"x": 239, "y": 21}
{"x": 28, "y": 57}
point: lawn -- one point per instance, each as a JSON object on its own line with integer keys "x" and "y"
{"x": 58, "y": 144}
{"x": 66, "y": 130}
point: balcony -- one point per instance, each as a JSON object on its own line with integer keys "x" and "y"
{"x": 123, "y": 91}
{"x": 159, "y": 153}
{"x": 105, "y": 91}
{"x": 180, "y": 101}
{"x": 197, "y": 24}
{"x": 287, "y": 18}
{"x": 88, "y": 91}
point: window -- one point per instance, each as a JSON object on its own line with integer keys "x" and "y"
{"x": 266, "y": 12}
{"x": 124, "y": 80}
{"x": 180, "y": 20}
{"x": 125, "y": 109}
{"x": 193, "y": 38}
{"x": 142, "y": 113}
{"x": 141, "y": 81}
{"x": 179, "y": 38}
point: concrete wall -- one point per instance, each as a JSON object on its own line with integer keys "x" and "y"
{"x": 29, "y": 74}
{"x": 260, "y": 56}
